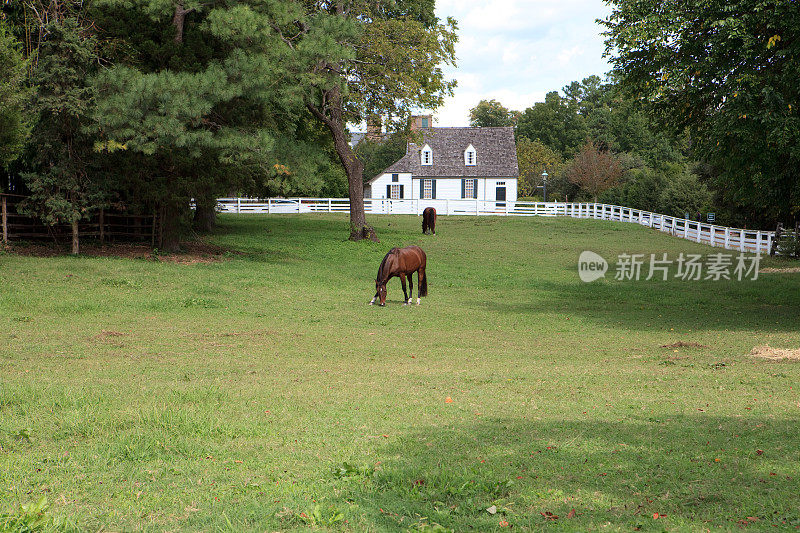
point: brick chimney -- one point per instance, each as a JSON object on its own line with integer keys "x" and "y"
{"x": 420, "y": 122}
{"x": 374, "y": 126}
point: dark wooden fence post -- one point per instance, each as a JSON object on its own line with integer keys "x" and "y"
{"x": 5, "y": 218}
{"x": 102, "y": 226}
{"x": 153, "y": 231}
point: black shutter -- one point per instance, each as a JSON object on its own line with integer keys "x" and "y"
{"x": 421, "y": 189}
{"x": 433, "y": 187}
{"x": 402, "y": 193}
{"x": 463, "y": 188}
{"x": 388, "y": 191}
{"x": 475, "y": 189}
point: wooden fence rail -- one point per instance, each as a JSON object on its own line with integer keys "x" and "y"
{"x": 103, "y": 226}
{"x": 744, "y": 240}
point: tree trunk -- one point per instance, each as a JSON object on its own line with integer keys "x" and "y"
{"x": 75, "y": 238}
{"x": 178, "y": 20}
{"x": 171, "y": 227}
{"x": 353, "y": 167}
{"x": 205, "y": 214}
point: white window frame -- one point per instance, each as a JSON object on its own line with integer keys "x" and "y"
{"x": 427, "y": 189}
{"x": 467, "y": 184}
{"x": 426, "y": 156}
{"x": 470, "y": 156}
{"x": 394, "y": 191}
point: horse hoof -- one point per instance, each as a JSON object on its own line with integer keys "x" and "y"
{"x": 382, "y": 305}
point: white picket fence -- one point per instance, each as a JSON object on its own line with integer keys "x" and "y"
{"x": 721, "y": 236}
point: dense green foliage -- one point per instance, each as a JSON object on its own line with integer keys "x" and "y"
{"x": 726, "y": 72}
{"x": 490, "y": 113}
{"x": 145, "y": 105}
{"x": 14, "y": 126}
{"x": 262, "y": 393}
{"x": 556, "y": 123}
{"x": 64, "y": 188}
{"x": 209, "y": 118}
{"x": 657, "y": 169}
{"x": 378, "y": 155}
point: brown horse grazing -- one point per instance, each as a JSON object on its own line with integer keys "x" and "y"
{"x": 402, "y": 262}
{"x": 429, "y": 221}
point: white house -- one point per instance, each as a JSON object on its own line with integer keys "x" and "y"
{"x": 453, "y": 164}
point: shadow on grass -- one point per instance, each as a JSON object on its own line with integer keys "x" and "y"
{"x": 770, "y": 304}
{"x": 699, "y": 471}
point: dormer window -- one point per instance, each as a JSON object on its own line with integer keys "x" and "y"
{"x": 426, "y": 156}
{"x": 470, "y": 158}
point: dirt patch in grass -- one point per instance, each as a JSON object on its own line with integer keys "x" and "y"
{"x": 787, "y": 270}
{"x": 775, "y": 354}
{"x": 108, "y": 333}
{"x": 681, "y": 344}
{"x": 191, "y": 252}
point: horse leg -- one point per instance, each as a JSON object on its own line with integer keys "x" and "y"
{"x": 373, "y": 298}
{"x": 410, "y": 288}
{"x": 403, "y": 283}
{"x": 420, "y": 275}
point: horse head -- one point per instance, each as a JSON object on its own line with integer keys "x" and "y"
{"x": 380, "y": 291}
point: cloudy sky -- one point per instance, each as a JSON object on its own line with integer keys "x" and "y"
{"x": 515, "y": 51}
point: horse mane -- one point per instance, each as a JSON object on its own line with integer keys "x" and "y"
{"x": 383, "y": 263}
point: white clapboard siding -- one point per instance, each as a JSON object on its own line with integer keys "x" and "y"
{"x": 721, "y": 236}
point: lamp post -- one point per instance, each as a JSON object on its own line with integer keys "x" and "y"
{"x": 544, "y": 185}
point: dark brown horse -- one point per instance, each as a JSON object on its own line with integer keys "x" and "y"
{"x": 429, "y": 221}
{"x": 402, "y": 262}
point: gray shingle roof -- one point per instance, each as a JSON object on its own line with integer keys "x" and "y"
{"x": 494, "y": 147}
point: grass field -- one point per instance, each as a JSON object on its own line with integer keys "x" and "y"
{"x": 260, "y": 392}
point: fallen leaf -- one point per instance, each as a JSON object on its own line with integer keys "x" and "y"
{"x": 503, "y": 523}
{"x": 237, "y": 461}
{"x": 492, "y": 509}
{"x": 571, "y": 514}
{"x": 759, "y": 452}
{"x": 448, "y": 400}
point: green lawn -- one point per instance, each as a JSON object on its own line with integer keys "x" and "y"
{"x": 261, "y": 392}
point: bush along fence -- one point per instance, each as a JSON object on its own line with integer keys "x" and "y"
{"x": 744, "y": 240}
{"x": 104, "y": 226}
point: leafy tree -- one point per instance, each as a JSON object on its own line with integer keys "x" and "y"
{"x": 369, "y": 58}
{"x": 199, "y": 101}
{"x": 685, "y": 194}
{"x": 534, "y": 158}
{"x": 726, "y": 72}
{"x": 586, "y": 95}
{"x": 63, "y": 187}
{"x": 490, "y": 113}
{"x": 593, "y": 170}
{"x": 556, "y": 123}
{"x": 377, "y": 156}
{"x": 14, "y": 94}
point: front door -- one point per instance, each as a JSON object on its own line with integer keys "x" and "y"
{"x": 501, "y": 197}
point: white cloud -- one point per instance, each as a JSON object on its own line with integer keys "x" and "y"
{"x": 515, "y": 51}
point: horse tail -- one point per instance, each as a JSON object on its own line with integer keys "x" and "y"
{"x": 423, "y": 282}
